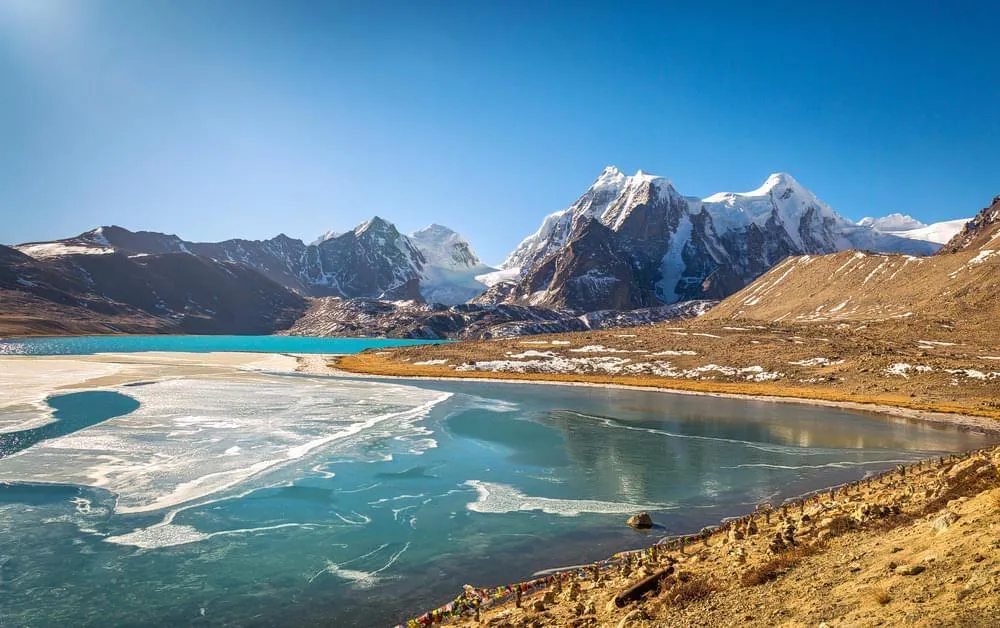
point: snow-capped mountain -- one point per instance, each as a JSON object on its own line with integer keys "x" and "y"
{"x": 373, "y": 260}
{"x": 452, "y": 267}
{"x": 904, "y": 226}
{"x": 635, "y": 241}
{"x": 892, "y": 222}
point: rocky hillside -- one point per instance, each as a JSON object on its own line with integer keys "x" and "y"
{"x": 374, "y": 260}
{"x": 635, "y": 241}
{"x": 332, "y": 316}
{"x": 981, "y": 233}
{"x": 148, "y": 293}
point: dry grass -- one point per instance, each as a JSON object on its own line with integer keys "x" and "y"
{"x": 968, "y": 482}
{"x": 841, "y": 524}
{"x": 679, "y": 592}
{"x": 777, "y": 566}
{"x": 880, "y": 595}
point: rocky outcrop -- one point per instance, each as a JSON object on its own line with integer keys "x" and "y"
{"x": 981, "y": 232}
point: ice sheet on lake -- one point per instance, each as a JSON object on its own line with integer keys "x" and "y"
{"x": 501, "y": 498}
{"x": 193, "y": 438}
{"x": 26, "y": 382}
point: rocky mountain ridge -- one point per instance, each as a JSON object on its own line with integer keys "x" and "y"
{"x": 373, "y": 260}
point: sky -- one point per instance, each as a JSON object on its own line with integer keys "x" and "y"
{"x": 215, "y": 119}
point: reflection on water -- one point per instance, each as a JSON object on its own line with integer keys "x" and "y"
{"x": 311, "y": 501}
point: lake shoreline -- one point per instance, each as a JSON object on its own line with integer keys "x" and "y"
{"x": 965, "y": 422}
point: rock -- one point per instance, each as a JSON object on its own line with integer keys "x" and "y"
{"x": 964, "y": 592}
{"x": 549, "y": 597}
{"x": 910, "y": 570}
{"x": 641, "y": 521}
{"x": 573, "y": 592}
{"x": 635, "y": 615}
{"x": 589, "y": 608}
{"x": 538, "y": 606}
{"x": 944, "y": 522}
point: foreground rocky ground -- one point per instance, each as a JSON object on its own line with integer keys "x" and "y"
{"x": 917, "y": 547}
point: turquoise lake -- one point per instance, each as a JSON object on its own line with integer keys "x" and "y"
{"x": 294, "y": 500}
{"x": 86, "y": 345}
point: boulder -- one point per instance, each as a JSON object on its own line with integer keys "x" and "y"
{"x": 641, "y": 521}
{"x": 910, "y": 570}
{"x": 944, "y": 522}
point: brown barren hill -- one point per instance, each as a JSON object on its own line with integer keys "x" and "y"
{"x": 960, "y": 289}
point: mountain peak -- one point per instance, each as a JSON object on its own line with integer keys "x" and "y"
{"x": 610, "y": 177}
{"x": 434, "y": 229}
{"x": 780, "y": 180}
{"x": 375, "y": 223}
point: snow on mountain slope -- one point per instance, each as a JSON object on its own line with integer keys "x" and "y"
{"x": 329, "y": 235}
{"x": 451, "y": 273}
{"x": 892, "y": 222}
{"x": 938, "y": 233}
{"x": 783, "y": 199}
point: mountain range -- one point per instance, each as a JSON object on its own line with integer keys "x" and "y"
{"x": 373, "y": 260}
{"x": 628, "y": 243}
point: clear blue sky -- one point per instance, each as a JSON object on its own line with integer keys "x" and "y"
{"x": 215, "y": 119}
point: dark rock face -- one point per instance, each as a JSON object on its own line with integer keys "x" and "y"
{"x": 333, "y": 316}
{"x": 374, "y": 261}
{"x": 980, "y": 232}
